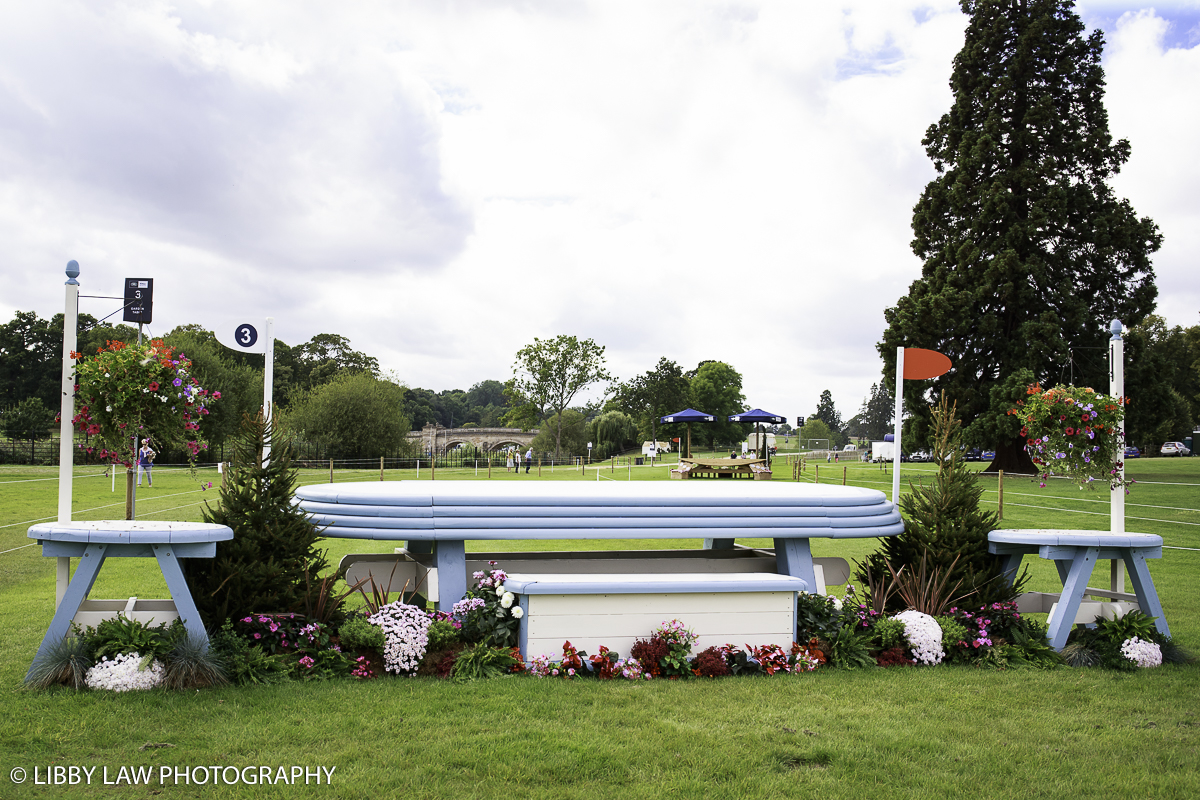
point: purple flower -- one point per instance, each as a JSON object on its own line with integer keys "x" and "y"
{"x": 177, "y": 382}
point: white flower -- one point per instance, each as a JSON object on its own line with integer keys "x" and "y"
{"x": 506, "y": 599}
{"x": 518, "y": 612}
{"x": 837, "y": 603}
{"x": 924, "y": 637}
{"x": 122, "y": 673}
{"x": 406, "y": 635}
{"x": 1142, "y": 653}
{"x": 108, "y": 408}
{"x": 107, "y": 375}
{"x": 500, "y": 591}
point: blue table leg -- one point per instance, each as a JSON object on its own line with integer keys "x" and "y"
{"x": 177, "y": 584}
{"x": 794, "y": 557}
{"x": 1143, "y": 587}
{"x": 1063, "y": 618}
{"x": 77, "y": 592}
{"x": 1010, "y": 563}
{"x": 718, "y": 544}
{"x": 450, "y": 557}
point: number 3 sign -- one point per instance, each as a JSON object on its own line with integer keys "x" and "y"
{"x": 245, "y": 339}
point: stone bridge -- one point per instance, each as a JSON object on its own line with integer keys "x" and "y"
{"x": 435, "y": 438}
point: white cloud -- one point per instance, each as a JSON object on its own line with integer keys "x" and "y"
{"x": 442, "y": 182}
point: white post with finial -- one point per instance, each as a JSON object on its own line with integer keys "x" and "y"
{"x": 899, "y": 420}
{"x": 1116, "y": 388}
{"x": 66, "y": 429}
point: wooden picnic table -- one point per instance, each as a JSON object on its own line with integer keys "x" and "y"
{"x": 722, "y": 467}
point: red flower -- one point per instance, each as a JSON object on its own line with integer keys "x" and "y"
{"x": 153, "y": 386}
{"x": 1070, "y": 431}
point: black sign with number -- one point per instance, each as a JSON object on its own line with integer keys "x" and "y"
{"x": 139, "y": 300}
{"x": 245, "y": 335}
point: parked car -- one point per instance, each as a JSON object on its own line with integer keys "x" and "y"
{"x": 1132, "y": 452}
{"x": 974, "y": 454}
{"x": 921, "y": 455}
{"x": 1174, "y": 449}
{"x": 989, "y": 455}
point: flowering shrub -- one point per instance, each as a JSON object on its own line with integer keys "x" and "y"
{"x": 307, "y": 644}
{"x": 924, "y": 637}
{"x": 1142, "y": 653}
{"x": 488, "y": 613}
{"x": 1074, "y": 432}
{"x": 770, "y": 657}
{"x": 124, "y": 672}
{"x": 129, "y": 391}
{"x": 406, "y": 635}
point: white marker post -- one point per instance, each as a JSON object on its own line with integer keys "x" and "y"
{"x": 246, "y": 339}
{"x": 899, "y": 417}
{"x": 1116, "y": 387}
{"x": 66, "y": 430}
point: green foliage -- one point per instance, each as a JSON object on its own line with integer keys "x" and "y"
{"x": 243, "y": 663}
{"x": 481, "y": 662}
{"x": 717, "y": 390}
{"x": 652, "y": 395}
{"x": 120, "y": 634}
{"x": 1134, "y": 623}
{"x": 850, "y": 648}
{"x": 352, "y": 415}
{"x": 64, "y": 662}
{"x": 442, "y": 635}
{"x": 191, "y": 664}
{"x": 816, "y": 434}
{"x": 816, "y": 615}
{"x": 612, "y": 432}
{"x": 265, "y": 568}
{"x": 945, "y": 525}
{"x": 890, "y": 633}
{"x": 28, "y": 419}
{"x": 1027, "y": 252}
{"x": 548, "y": 374}
{"x": 954, "y": 638}
{"x": 828, "y": 413}
{"x": 358, "y": 634}
{"x": 572, "y": 434}
{"x": 876, "y": 415}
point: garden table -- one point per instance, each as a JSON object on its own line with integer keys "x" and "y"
{"x": 94, "y": 542}
{"x": 1075, "y": 554}
{"x": 441, "y": 516}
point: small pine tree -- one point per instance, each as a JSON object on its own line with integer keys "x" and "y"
{"x": 943, "y": 522}
{"x": 266, "y": 566}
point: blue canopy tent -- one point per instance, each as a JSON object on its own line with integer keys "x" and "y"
{"x": 758, "y": 417}
{"x": 688, "y": 415}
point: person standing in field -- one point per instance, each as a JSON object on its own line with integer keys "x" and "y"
{"x": 145, "y": 462}
{"x": 528, "y": 461}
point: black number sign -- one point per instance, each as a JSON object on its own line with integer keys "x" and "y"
{"x": 245, "y": 335}
{"x": 139, "y": 300}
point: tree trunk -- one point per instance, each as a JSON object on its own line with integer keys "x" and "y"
{"x": 1012, "y": 458}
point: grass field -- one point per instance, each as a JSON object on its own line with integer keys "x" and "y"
{"x": 887, "y": 733}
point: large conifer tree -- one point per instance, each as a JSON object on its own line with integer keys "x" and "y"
{"x": 1027, "y": 253}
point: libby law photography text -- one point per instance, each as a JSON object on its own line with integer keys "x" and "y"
{"x": 63, "y": 775}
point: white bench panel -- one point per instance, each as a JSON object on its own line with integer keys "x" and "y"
{"x": 561, "y": 605}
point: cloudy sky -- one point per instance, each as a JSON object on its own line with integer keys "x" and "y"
{"x": 441, "y": 181}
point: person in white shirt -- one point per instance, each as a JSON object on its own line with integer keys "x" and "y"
{"x": 528, "y": 460}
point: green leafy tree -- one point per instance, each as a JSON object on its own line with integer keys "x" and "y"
{"x": 828, "y": 413}
{"x": 654, "y": 394}
{"x": 355, "y": 415}
{"x": 815, "y": 432}
{"x": 28, "y": 419}
{"x": 548, "y": 374}
{"x": 613, "y": 432}
{"x": 273, "y": 555}
{"x": 877, "y": 413}
{"x": 574, "y": 434}
{"x": 217, "y": 368}
{"x": 1162, "y": 382}
{"x": 717, "y": 390}
{"x": 1027, "y": 253}
{"x": 944, "y": 524}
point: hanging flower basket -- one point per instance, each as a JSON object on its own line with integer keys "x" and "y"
{"x": 127, "y": 391}
{"x": 1074, "y": 432}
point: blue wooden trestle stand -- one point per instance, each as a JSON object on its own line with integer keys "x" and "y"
{"x": 1075, "y": 553}
{"x": 94, "y": 542}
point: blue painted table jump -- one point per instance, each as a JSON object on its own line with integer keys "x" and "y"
{"x": 441, "y": 516}
{"x": 94, "y": 542}
{"x": 1075, "y": 553}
